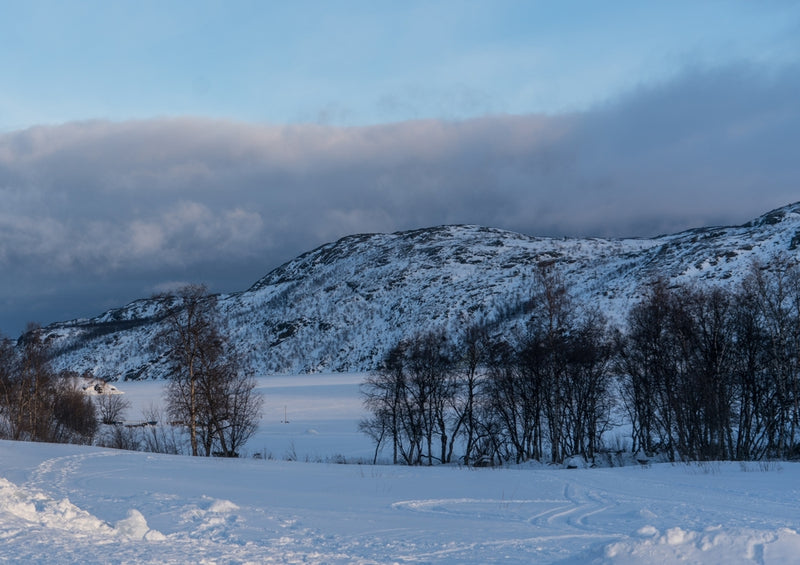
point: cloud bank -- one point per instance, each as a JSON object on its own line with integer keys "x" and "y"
{"x": 93, "y": 214}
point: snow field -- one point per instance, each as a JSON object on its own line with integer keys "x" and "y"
{"x": 305, "y": 418}
{"x": 70, "y": 504}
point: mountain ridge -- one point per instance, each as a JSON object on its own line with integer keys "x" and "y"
{"x": 340, "y": 306}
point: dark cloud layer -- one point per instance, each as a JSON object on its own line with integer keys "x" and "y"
{"x": 94, "y": 214}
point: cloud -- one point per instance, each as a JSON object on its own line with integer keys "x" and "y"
{"x": 125, "y": 207}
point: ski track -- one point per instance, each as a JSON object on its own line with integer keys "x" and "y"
{"x": 552, "y": 522}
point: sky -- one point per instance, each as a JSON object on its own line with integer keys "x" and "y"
{"x": 149, "y": 144}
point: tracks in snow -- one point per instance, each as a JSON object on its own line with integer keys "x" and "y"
{"x": 539, "y": 526}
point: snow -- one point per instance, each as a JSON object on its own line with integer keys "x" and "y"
{"x": 342, "y": 306}
{"x": 69, "y": 504}
{"x": 310, "y": 418}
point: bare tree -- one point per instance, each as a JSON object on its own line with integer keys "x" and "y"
{"x": 587, "y": 395}
{"x": 38, "y": 403}
{"x": 473, "y": 358}
{"x": 430, "y": 388}
{"x": 190, "y": 337}
{"x": 511, "y": 394}
{"x": 111, "y": 407}
{"x": 8, "y": 387}
{"x": 551, "y": 387}
{"x": 74, "y": 413}
{"x": 35, "y": 390}
{"x": 232, "y": 407}
{"x": 411, "y": 400}
{"x": 645, "y": 361}
{"x": 757, "y": 409}
{"x": 383, "y": 393}
{"x": 158, "y": 436}
{"x": 775, "y": 288}
{"x": 680, "y": 366}
{"x": 209, "y": 391}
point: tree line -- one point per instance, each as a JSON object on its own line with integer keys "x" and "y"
{"x": 210, "y": 395}
{"x": 696, "y": 373}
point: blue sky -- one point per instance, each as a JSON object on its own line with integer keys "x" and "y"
{"x": 144, "y": 144}
{"x": 356, "y": 63}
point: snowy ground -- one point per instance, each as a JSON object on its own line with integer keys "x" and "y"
{"x": 307, "y": 418}
{"x": 67, "y": 504}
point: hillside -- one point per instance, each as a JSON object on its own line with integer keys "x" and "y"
{"x": 339, "y": 307}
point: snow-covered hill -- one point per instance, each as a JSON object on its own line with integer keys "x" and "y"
{"x": 340, "y": 306}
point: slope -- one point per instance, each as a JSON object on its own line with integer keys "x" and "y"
{"x": 342, "y": 305}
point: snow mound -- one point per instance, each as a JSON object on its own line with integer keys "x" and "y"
{"x": 20, "y": 505}
{"x": 222, "y": 506}
{"x": 97, "y": 387}
{"x": 135, "y": 527}
{"x": 712, "y": 546}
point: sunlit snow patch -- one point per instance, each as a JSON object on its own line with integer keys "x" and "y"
{"x": 714, "y": 545}
{"x": 135, "y": 527}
